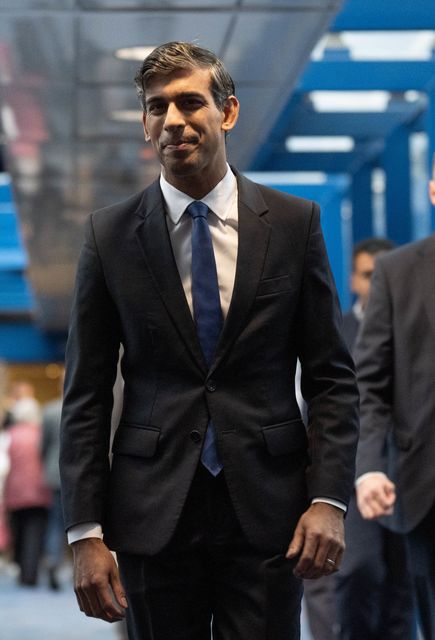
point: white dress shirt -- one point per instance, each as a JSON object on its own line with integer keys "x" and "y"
{"x": 223, "y": 221}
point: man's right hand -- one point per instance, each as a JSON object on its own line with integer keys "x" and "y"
{"x": 96, "y": 581}
{"x": 375, "y": 495}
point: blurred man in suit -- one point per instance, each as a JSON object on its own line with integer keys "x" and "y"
{"x": 370, "y": 597}
{"x": 363, "y": 264}
{"x": 373, "y": 590}
{"x": 55, "y": 535}
{"x": 395, "y": 357}
{"x": 216, "y": 502}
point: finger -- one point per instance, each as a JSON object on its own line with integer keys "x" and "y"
{"x": 296, "y": 543}
{"x": 90, "y": 604}
{"x": 98, "y": 602}
{"x": 109, "y": 610}
{"x": 380, "y": 508}
{"x": 387, "y": 497}
{"x": 305, "y": 563}
{"x": 324, "y": 560}
{"x": 80, "y": 601}
{"x": 372, "y": 504}
{"x": 333, "y": 560}
{"x": 118, "y": 590}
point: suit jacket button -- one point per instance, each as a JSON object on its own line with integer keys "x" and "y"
{"x": 195, "y": 436}
{"x": 211, "y": 385}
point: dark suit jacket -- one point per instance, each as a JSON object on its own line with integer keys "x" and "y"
{"x": 395, "y": 358}
{"x": 351, "y": 326}
{"x": 284, "y": 306}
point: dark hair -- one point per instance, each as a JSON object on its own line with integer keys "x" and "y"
{"x": 372, "y": 246}
{"x": 174, "y": 56}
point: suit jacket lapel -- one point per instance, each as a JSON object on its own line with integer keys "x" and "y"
{"x": 252, "y": 247}
{"x": 156, "y": 245}
{"x": 428, "y": 256}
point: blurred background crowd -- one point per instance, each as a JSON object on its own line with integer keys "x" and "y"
{"x": 32, "y": 538}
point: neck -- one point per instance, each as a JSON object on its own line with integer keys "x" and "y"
{"x": 194, "y": 187}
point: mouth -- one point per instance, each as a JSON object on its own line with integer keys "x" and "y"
{"x": 179, "y": 145}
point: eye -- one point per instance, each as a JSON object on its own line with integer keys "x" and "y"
{"x": 191, "y": 104}
{"x": 156, "y": 108}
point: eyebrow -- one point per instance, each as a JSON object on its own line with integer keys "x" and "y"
{"x": 179, "y": 96}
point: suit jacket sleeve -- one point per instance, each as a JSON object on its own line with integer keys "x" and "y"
{"x": 91, "y": 356}
{"x": 374, "y": 360}
{"x": 328, "y": 378}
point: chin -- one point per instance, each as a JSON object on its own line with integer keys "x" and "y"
{"x": 181, "y": 169}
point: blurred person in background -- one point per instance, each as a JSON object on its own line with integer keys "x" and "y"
{"x": 4, "y": 470}
{"x": 364, "y": 255}
{"x": 395, "y": 357}
{"x": 27, "y": 496}
{"x": 23, "y": 390}
{"x": 55, "y": 537}
{"x": 370, "y": 598}
{"x": 373, "y": 589}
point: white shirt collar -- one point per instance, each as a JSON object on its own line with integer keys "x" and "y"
{"x": 219, "y": 200}
{"x": 358, "y": 311}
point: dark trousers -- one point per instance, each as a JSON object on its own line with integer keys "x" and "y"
{"x": 321, "y": 607}
{"x": 421, "y": 543}
{"x": 373, "y": 587}
{"x": 28, "y": 530}
{"x": 209, "y": 579}
{"x": 55, "y": 541}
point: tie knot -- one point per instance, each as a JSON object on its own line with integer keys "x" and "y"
{"x": 197, "y": 209}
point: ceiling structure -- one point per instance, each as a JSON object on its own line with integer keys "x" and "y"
{"x": 71, "y": 130}
{"x": 377, "y": 66}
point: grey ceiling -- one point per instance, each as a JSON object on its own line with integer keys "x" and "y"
{"x": 60, "y": 84}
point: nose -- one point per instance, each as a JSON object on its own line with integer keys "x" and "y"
{"x": 174, "y": 117}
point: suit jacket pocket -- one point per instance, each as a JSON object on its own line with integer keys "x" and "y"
{"x": 274, "y": 285}
{"x": 135, "y": 440}
{"x": 285, "y": 437}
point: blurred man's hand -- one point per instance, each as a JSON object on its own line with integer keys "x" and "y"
{"x": 375, "y": 495}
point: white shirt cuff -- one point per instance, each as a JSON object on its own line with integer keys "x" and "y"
{"x": 335, "y": 503}
{"x": 368, "y": 475}
{"x": 83, "y": 531}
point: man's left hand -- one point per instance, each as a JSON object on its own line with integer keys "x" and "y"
{"x": 318, "y": 541}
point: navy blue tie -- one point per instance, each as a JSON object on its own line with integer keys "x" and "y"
{"x": 206, "y": 310}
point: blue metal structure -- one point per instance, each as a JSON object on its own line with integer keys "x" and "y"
{"x": 20, "y": 339}
{"x": 15, "y": 294}
{"x": 385, "y": 15}
{"x": 381, "y": 139}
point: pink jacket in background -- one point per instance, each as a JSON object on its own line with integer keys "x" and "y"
{"x": 25, "y": 484}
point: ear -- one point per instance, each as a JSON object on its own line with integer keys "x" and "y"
{"x": 230, "y": 113}
{"x": 432, "y": 192}
{"x": 145, "y": 128}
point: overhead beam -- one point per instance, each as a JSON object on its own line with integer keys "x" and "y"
{"x": 282, "y": 160}
{"x": 385, "y": 15}
{"x": 303, "y": 122}
{"x": 353, "y": 75}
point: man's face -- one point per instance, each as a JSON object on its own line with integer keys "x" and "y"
{"x": 187, "y": 129}
{"x": 432, "y": 191}
{"x": 362, "y": 272}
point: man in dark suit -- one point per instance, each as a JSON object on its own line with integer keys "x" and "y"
{"x": 216, "y": 502}
{"x": 374, "y": 597}
{"x": 370, "y": 597}
{"x": 395, "y": 357}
